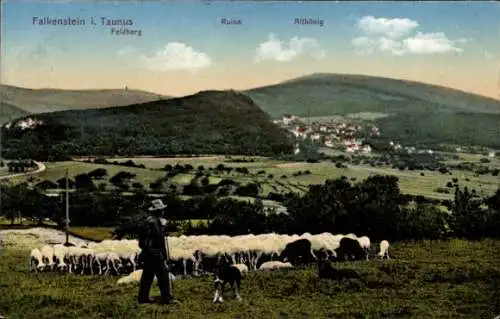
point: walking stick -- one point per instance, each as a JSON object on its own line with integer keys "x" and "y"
{"x": 168, "y": 270}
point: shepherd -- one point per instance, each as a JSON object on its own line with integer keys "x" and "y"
{"x": 155, "y": 256}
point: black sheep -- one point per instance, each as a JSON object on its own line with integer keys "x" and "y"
{"x": 226, "y": 273}
{"x": 350, "y": 249}
{"x": 298, "y": 252}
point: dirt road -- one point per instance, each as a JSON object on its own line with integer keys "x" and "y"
{"x": 41, "y": 168}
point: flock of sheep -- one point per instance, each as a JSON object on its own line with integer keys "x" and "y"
{"x": 197, "y": 255}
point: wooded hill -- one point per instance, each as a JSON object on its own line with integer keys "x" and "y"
{"x": 209, "y": 122}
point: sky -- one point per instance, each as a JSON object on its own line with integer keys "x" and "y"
{"x": 184, "y": 47}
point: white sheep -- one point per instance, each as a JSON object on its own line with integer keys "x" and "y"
{"x": 242, "y": 268}
{"x": 78, "y": 256}
{"x": 274, "y": 265}
{"x": 60, "y": 252}
{"x": 36, "y": 260}
{"x": 384, "y": 249}
{"x": 365, "y": 244}
{"x": 48, "y": 256}
{"x": 249, "y": 250}
{"x": 111, "y": 260}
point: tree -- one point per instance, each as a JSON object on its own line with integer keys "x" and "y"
{"x": 370, "y": 207}
{"x": 98, "y": 173}
{"x": 424, "y": 221}
{"x": 443, "y": 170}
{"x": 46, "y": 184}
{"x": 157, "y": 185}
{"x": 61, "y": 183}
{"x": 83, "y": 181}
{"x": 493, "y": 216}
{"x": 468, "y": 219}
{"x": 137, "y": 186}
{"x": 122, "y": 179}
{"x": 15, "y": 200}
{"x": 249, "y": 190}
{"x": 192, "y": 189}
{"x": 205, "y": 181}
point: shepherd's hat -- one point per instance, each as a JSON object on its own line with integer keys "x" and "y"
{"x": 157, "y": 204}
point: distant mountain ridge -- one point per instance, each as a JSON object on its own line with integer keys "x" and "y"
{"x": 24, "y": 100}
{"x": 318, "y": 94}
{"x": 324, "y": 94}
{"x": 415, "y": 113}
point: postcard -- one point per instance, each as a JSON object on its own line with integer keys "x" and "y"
{"x": 249, "y": 159}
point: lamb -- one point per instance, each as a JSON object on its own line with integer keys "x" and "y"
{"x": 327, "y": 271}
{"x": 135, "y": 277}
{"x": 226, "y": 273}
{"x": 365, "y": 244}
{"x": 384, "y": 249}
{"x": 275, "y": 265}
{"x": 36, "y": 260}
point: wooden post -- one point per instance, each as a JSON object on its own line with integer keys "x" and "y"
{"x": 67, "y": 207}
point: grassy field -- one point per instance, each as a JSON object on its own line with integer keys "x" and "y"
{"x": 446, "y": 279}
{"x": 56, "y": 170}
{"x": 94, "y": 233}
{"x": 411, "y": 182}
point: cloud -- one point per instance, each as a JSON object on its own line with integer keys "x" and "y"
{"x": 367, "y": 45}
{"x": 278, "y": 50}
{"x": 429, "y": 43}
{"x": 126, "y": 51}
{"x": 390, "y": 28}
{"x": 176, "y": 56}
{"x": 392, "y": 36}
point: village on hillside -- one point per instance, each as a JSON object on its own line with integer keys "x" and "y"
{"x": 331, "y": 133}
{"x": 340, "y": 134}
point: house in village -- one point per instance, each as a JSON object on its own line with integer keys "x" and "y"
{"x": 296, "y": 149}
{"x": 27, "y": 123}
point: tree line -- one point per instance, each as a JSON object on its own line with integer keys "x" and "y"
{"x": 374, "y": 207}
{"x": 199, "y": 184}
